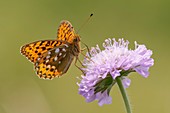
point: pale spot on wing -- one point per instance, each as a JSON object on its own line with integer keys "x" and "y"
{"x": 64, "y": 55}
{"x": 57, "y": 50}
{"x": 48, "y": 66}
{"x": 60, "y": 54}
{"x": 36, "y": 64}
{"x": 55, "y": 59}
{"x": 38, "y": 59}
{"x": 47, "y": 57}
{"x": 66, "y": 45}
{"x": 53, "y": 67}
{"x": 40, "y": 73}
{"x": 64, "y": 49}
{"x": 49, "y": 52}
{"x": 47, "y": 61}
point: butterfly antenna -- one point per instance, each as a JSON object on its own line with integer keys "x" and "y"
{"x": 84, "y": 23}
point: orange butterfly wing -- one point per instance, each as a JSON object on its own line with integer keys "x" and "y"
{"x": 35, "y": 49}
{"x": 54, "y": 63}
{"x": 66, "y": 32}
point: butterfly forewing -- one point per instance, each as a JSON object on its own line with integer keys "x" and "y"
{"x": 54, "y": 63}
{"x": 66, "y": 32}
{"x": 35, "y": 49}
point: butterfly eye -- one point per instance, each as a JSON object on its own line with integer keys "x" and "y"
{"x": 76, "y": 39}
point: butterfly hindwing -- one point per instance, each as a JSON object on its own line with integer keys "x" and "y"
{"x": 54, "y": 62}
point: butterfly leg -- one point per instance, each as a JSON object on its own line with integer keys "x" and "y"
{"x": 86, "y": 47}
{"x": 77, "y": 59}
{"x": 88, "y": 50}
{"x": 75, "y": 63}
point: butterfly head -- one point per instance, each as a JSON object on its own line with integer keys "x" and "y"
{"x": 76, "y": 45}
{"x": 76, "y": 39}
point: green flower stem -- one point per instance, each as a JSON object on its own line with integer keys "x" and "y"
{"x": 124, "y": 95}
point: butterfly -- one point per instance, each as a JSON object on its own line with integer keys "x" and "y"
{"x": 52, "y": 58}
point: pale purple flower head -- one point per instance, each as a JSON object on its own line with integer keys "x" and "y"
{"x": 103, "y": 66}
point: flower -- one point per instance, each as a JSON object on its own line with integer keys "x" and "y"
{"x": 103, "y": 66}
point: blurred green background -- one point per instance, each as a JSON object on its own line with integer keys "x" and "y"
{"x": 21, "y": 22}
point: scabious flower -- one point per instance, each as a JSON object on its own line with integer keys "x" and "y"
{"x": 103, "y": 66}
